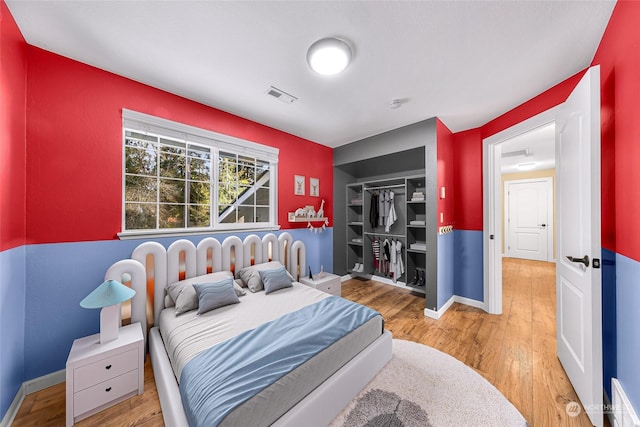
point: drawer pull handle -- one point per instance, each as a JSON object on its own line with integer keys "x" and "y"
{"x": 107, "y": 367}
{"x": 107, "y": 389}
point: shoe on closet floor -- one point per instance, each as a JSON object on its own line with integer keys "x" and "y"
{"x": 360, "y": 268}
{"x": 356, "y": 268}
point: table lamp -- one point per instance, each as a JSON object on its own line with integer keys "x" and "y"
{"x": 108, "y": 297}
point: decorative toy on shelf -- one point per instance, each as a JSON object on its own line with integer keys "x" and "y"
{"x": 308, "y": 214}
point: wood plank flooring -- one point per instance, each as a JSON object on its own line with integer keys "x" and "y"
{"x": 515, "y": 351}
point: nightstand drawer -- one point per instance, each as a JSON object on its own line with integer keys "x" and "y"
{"x": 105, "y": 392}
{"x": 333, "y": 288}
{"x": 102, "y": 370}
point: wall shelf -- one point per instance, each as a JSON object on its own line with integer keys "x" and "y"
{"x": 305, "y": 219}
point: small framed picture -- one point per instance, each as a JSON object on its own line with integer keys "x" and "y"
{"x": 298, "y": 184}
{"x": 314, "y": 187}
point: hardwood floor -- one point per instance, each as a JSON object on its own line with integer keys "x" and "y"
{"x": 515, "y": 351}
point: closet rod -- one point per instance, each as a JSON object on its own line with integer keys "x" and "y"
{"x": 386, "y": 186}
{"x": 384, "y": 234}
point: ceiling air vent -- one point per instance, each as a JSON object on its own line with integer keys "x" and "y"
{"x": 281, "y": 95}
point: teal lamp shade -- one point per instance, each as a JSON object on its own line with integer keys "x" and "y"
{"x": 108, "y": 293}
{"x": 108, "y": 297}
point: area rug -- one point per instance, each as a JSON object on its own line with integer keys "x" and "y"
{"x": 423, "y": 387}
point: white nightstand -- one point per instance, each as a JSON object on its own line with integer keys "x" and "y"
{"x": 330, "y": 283}
{"x": 101, "y": 375}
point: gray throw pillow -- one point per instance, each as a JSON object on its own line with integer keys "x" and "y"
{"x": 275, "y": 279}
{"x": 215, "y": 295}
{"x": 250, "y": 276}
{"x": 184, "y": 295}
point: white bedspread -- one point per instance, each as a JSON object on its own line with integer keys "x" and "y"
{"x": 188, "y": 334}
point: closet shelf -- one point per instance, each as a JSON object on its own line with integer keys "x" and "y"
{"x": 417, "y": 251}
{"x": 356, "y": 223}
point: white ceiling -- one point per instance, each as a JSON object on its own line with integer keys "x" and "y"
{"x": 465, "y": 62}
{"x": 540, "y": 144}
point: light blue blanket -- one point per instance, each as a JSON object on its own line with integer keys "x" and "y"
{"x": 220, "y": 378}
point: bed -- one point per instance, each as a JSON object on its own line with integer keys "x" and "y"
{"x": 306, "y": 360}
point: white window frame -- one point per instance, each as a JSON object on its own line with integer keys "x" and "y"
{"x": 144, "y": 123}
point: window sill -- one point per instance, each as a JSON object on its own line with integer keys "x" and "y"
{"x": 146, "y": 234}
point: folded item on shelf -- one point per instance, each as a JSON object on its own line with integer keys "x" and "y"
{"x": 418, "y": 246}
{"x": 417, "y": 222}
{"x": 357, "y": 239}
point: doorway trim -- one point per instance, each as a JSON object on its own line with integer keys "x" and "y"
{"x": 492, "y": 204}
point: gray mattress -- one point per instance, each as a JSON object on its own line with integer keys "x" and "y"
{"x": 188, "y": 334}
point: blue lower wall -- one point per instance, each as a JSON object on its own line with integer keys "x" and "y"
{"x": 609, "y": 337}
{"x": 60, "y": 275}
{"x": 469, "y": 272}
{"x": 628, "y": 330}
{"x": 12, "y": 324}
{"x": 446, "y": 268}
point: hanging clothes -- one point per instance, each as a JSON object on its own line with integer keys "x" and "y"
{"x": 381, "y": 212}
{"x": 374, "y": 211}
{"x": 375, "y": 244}
{"x": 397, "y": 266}
{"x": 391, "y": 212}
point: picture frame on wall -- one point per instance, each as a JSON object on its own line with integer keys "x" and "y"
{"x": 298, "y": 185}
{"x": 314, "y": 187}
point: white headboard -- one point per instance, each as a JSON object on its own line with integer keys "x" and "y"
{"x": 165, "y": 266}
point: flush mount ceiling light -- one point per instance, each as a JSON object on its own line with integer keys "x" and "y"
{"x": 526, "y": 166}
{"x": 329, "y": 56}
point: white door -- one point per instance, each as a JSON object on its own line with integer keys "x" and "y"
{"x": 578, "y": 277}
{"x": 529, "y": 213}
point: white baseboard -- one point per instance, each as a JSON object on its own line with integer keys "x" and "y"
{"x": 12, "y": 411}
{"x": 624, "y": 413}
{"x": 29, "y": 387}
{"x": 436, "y": 314}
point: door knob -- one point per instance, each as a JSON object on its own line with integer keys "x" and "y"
{"x": 584, "y": 260}
{"x": 543, "y": 225}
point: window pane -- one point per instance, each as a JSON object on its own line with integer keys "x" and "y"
{"x": 246, "y": 195}
{"x": 226, "y": 194}
{"x": 200, "y": 193}
{"x": 134, "y": 137}
{"x": 199, "y": 169}
{"x": 227, "y": 171}
{"x": 230, "y": 218}
{"x": 262, "y": 197}
{"x": 141, "y": 189}
{"x": 139, "y": 216}
{"x": 141, "y": 161}
{"x": 246, "y": 214}
{"x": 262, "y": 214}
{"x": 199, "y": 216}
{"x": 173, "y": 146}
{"x": 172, "y": 191}
{"x": 246, "y": 175}
{"x": 172, "y": 165}
{"x": 172, "y": 216}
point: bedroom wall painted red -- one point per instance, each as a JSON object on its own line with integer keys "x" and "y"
{"x": 619, "y": 70}
{"x": 74, "y": 148}
{"x": 445, "y": 150}
{"x": 468, "y": 151}
{"x": 13, "y": 67}
{"x": 468, "y": 180}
